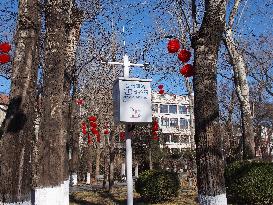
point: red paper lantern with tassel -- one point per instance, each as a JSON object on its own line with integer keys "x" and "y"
{"x": 4, "y": 58}
{"x": 160, "y": 87}
{"x": 184, "y": 55}
{"x": 173, "y": 45}
{"x": 106, "y": 132}
{"x": 5, "y": 47}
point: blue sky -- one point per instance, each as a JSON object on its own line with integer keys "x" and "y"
{"x": 138, "y": 18}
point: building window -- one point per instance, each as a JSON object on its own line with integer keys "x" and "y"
{"x": 184, "y": 123}
{"x": 155, "y": 107}
{"x": 175, "y": 138}
{"x": 163, "y": 108}
{"x": 173, "y": 122}
{"x": 165, "y": 121}
{"x": 183, "y": 109}
{"x": 173, "y": 109}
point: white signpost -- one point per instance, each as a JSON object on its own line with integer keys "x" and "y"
{"x": 132, "y": 104}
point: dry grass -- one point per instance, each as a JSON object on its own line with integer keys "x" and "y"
{"x": 118, "y": 197}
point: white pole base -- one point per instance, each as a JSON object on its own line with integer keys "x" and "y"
{"x": 58, "y": 195}
{"x": 73, "y": 179}
{"x": 88, "y": 178}
{"x": 212, "y": 200}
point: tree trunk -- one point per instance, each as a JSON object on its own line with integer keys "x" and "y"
{"x": 242, "y": 89}
{"x": 73, "y": 34}
{"x": 53, "y": 165}
{"x": 209, "y": 156}
{"x": 111, "y": 161}
{"x": 150, "y": 156}
{"x": 19, "y": 134}
{"x": 98, "y": 158}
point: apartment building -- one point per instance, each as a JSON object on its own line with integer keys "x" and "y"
{"x": 173, "y": 115}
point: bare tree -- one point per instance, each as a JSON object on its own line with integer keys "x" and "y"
{"x": 18, "y": 137}
{"x": 53, "y": 164}
{"x": 241, "y": 85}
{"x": 209, "y": 156}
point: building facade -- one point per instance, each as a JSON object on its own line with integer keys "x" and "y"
{"x": 174, "y": 119}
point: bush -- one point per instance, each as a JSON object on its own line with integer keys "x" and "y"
{"x": 249, "y": 182}
{"x": 155, "y": 186}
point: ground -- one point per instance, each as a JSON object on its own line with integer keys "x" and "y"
{"x": 81, "y": 195}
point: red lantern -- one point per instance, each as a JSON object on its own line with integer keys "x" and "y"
{"x": 93, "y": 124}
{"x": 106, "y": 132}
{"x": 94, "y": 131}
{"x": 92, "y": 118}
{"x": 122, "y": 136}
{"x": 155, "y": 127}
{"x": 161, "y": 92}
{"x": 5, "y": 47}
{"x": 84, "y": 128}
{"x": 4, "y": 58}
{"x": 187, "y": 70}
{"x": 184, "y": 55}
{"x": 173, "y": 45}
{"x": 79, "y": 101}
{"x": 190, "y": 73}
{"x": 160, "y": 87}
{"x": 154, "y": 133}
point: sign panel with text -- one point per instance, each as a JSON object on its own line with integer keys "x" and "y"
{"x": 132, "y": 100}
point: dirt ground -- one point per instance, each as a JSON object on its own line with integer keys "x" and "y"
{"x": 118, "y": 197}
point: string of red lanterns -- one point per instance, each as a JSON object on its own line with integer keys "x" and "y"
{"x": 184, "y": 56}
{"x": 155, "y": 128}
{"x": 4, "y": 49}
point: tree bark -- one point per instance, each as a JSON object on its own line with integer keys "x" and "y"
{"x": 98, "y": 158}
{"x": 17, "y": 139}
{"x": 111, "y": 161}
{"x": 70, "y": 81}
{"x": 209, "y": 156}
{"x": 242, "y": 90}
{"x": 53, "y": 163}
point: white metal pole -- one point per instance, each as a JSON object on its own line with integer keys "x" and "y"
{"x": 126, "y": 64}
{"x": 129, "y": 162}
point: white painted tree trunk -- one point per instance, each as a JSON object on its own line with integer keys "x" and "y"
{"x": 213, "y": 200}
{"x": 57, "y": 195}
{"x": 88, "y": 178}
{"x": 73, "y": 179}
